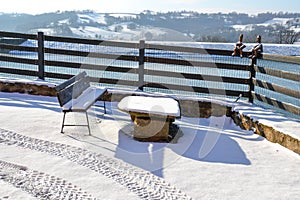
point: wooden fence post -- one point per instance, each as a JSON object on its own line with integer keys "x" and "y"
{"x": 141, "y": 64}
{"x": 252, "y": 77}
{"x": 41, "y": 59}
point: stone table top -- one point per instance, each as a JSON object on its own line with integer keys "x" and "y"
{"x": 163, "y": 106}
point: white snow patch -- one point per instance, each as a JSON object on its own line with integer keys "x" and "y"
{"x": 92, "y": 17}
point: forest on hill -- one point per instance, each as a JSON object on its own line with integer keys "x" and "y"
{"x": 281, "y": 28}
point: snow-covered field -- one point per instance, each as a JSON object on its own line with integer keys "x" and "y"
{"x": 278, "y": 49}
{"x": 213, "y": 158}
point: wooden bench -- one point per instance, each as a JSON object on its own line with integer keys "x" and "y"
{"x": 77, "y": 95}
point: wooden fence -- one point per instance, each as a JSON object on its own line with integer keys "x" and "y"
{"x": 291, "y": 77}
{"x": 148, "y": 66}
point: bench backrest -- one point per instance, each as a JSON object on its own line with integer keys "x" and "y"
{"x": 72, "y": 88}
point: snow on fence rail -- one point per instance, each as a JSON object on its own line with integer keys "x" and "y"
{"x": 153, "y": 67}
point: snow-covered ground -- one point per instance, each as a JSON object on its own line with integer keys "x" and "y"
{"x": 212, "y": 158}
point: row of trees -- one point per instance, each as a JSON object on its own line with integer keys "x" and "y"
{"x": 269, "y": 35}
{"x": 217, "y": 27}
{"x": 288, "y": 36}
{"x": 281, "y": 37}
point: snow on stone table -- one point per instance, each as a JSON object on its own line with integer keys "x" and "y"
{"x": 152, "y": 116}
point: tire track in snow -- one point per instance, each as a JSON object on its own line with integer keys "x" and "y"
{"x": 142, "y": 183}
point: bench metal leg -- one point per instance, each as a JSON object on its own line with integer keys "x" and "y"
{"x": 104, "y": 111}
{"x": 88, "y": 124}
{"x": 63, "y": 123}
{"x": 104, "y": 107}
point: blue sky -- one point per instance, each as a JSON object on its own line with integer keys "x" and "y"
{"x": 135, "y": 6}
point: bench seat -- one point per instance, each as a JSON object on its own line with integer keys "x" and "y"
{"x": 85, "y": 100}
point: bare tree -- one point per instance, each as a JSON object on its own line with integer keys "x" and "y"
{"x": 288, "y": 36}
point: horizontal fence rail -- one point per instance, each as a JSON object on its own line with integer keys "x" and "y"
{"x": 153, "y": 67}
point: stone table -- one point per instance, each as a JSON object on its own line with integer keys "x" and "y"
{"x": 152, "y": 116}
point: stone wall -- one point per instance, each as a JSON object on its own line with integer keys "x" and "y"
{"x": 189, "y": 108}
{"x": 268, "y": 132}
{"x": 27, "y": 88}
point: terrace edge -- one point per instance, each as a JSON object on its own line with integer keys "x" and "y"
{"x": 206, "y": 109}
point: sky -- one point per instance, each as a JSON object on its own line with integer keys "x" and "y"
{"x": 133, "y": 6}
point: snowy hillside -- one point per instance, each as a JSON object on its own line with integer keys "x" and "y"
{"x": 157, "y": 26}
{"x": 99, "y": 26}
